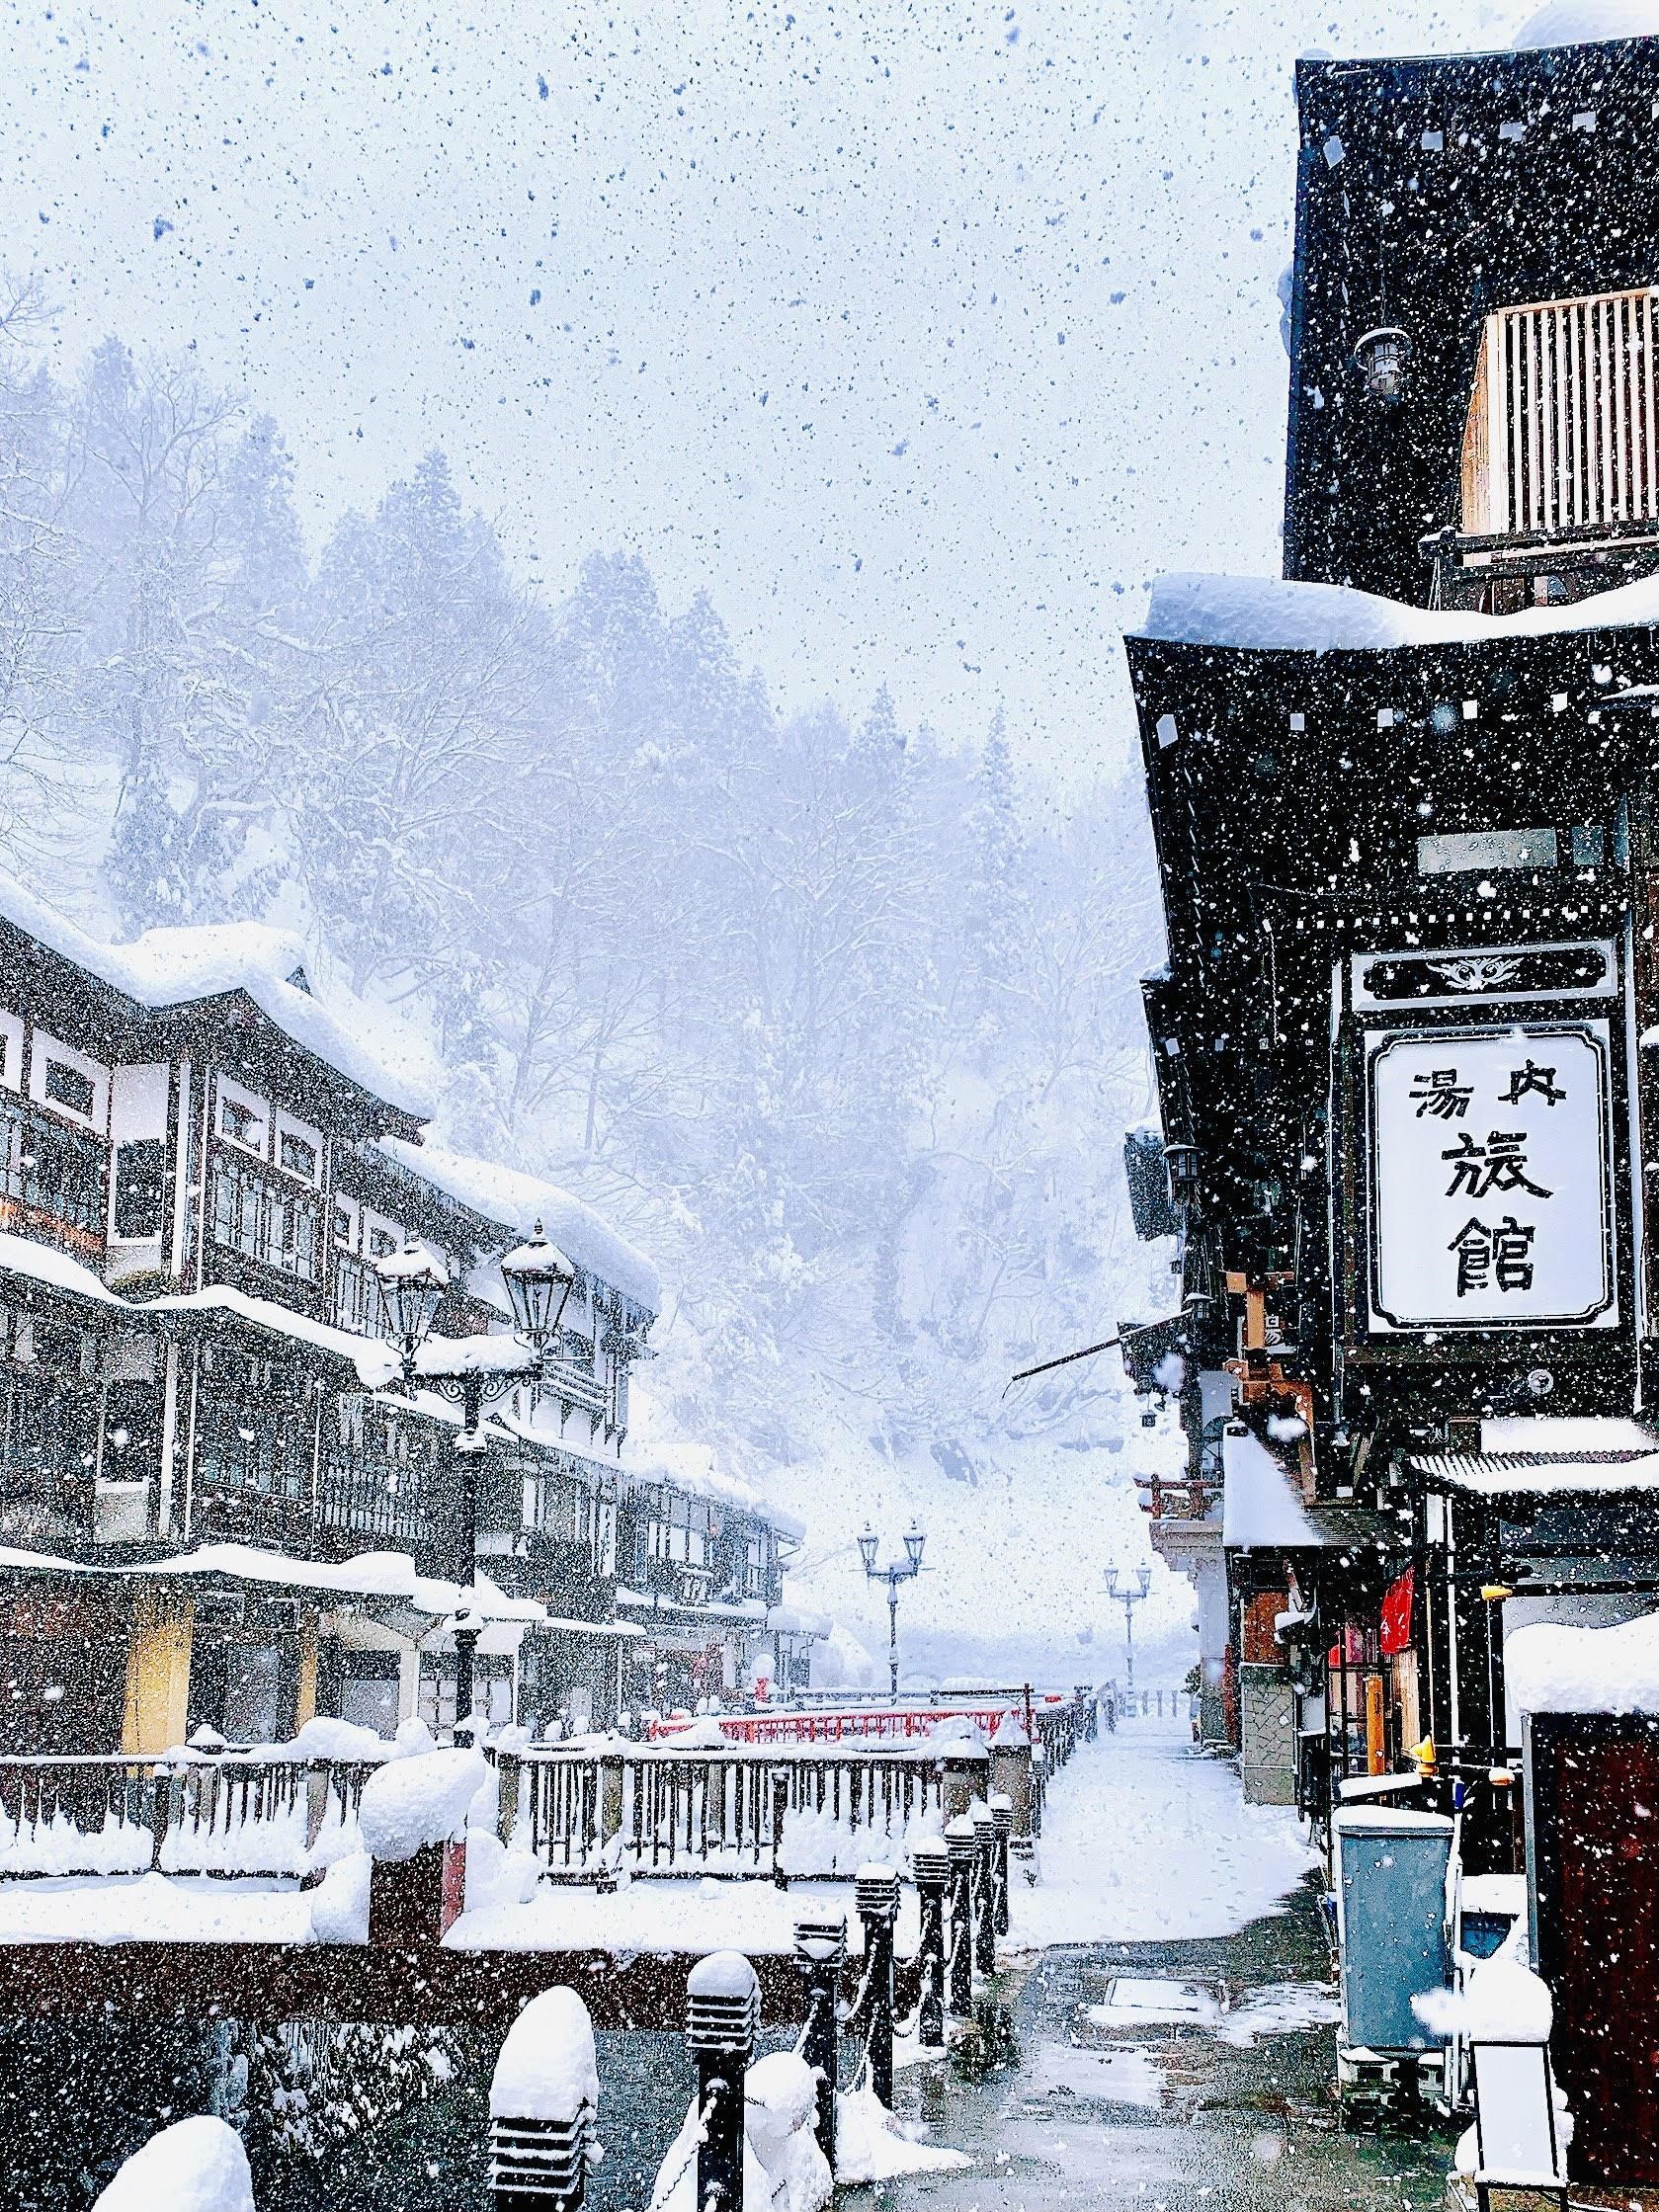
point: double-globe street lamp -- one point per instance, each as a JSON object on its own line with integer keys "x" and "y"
{"x": 892, "y": 1574}
{"x": 478, "y": 1370}
{"x": 1128, "y": 1589}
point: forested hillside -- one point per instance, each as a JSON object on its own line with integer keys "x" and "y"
{"x": 836, "y": 1017}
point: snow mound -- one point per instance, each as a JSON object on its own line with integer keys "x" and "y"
{"x": 546, "y": 2070}
{"x": 1554, "y": 1669}
{"x": 412, "y": 1802}
{"x": 1576, "y": 23}
{"x": 324, "y": 1737}
{"x": 871, "y": 2145}
{"x": 1501, "y": 2002}
{"x": 340, "y": 1902}
{"x": 781, "y": 2103}
{"x": 194, "y": 2165}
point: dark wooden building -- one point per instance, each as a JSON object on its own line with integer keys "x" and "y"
{"x": 1404, "y": 807}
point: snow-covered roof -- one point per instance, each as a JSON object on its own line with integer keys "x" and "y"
{"x": 1575, "y": 22}
{"x": 388, "y": 1574}
{"x": 517, "y": 1201}
{"x": 58, "y": 1270}
{"x": 687, "y": 1471}
{"x": 1552, "y": 1669}
{"x": 369, "y": 1045}
{"x": 1266, "y": 613}
{"x": 1531, "y": 1475}
{"x": 1259, "y": 1510}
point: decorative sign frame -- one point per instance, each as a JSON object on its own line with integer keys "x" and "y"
{"x": 1490, "y": 1196}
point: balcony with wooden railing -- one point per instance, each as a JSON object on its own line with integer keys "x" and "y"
{"x": 1561, "y": 457}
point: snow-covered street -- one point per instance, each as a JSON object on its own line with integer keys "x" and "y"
{"x": 1145, "y": 1838}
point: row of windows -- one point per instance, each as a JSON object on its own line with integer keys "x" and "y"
{"x": 266, "y": 1221}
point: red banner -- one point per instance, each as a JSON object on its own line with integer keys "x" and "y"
{"x": 1396, "y": 1614}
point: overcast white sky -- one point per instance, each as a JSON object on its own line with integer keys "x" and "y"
{"x": 922, "y": 335}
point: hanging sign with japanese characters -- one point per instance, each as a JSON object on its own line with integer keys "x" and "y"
{"x": 1491, "y": 1192}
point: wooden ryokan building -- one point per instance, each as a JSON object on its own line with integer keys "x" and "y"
{"x": 217, "y": 1506}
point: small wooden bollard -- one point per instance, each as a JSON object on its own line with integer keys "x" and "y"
{"x": 1010, "y": 1777}
{"x": 780, "y": 1822}
{"x": 544, "y": 2101}
{"x": 961, "y": 1848}
{"x": 722, "y": 2006}
{"x": 962, "y": 1777}
{"x": 875, "y": 1893}
{"x": 930, "y": 1862}
{"x": 1002, "y": 1815}
{"x": 610, "y": 1818}
{"x": 508, "y": 1769}
{"x": 414, "y": 1901}
{"x": 985, "y": 1875}
{"x": 820, "y": 1948}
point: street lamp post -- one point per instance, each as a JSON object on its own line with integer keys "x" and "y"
{"x": 894, "y": 1573}
{"x": 1128, "y": 1589}
{"x": 412, "y": 1283}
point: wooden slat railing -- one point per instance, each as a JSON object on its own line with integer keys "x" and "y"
{"x": 807, "y": 1811}
{"x": 121, "y": 1814}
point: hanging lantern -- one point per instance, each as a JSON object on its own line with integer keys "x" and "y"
{"x": 539, "y": 1279}
{"x": 412, "y": 1286}
{"x": 1183, "y": 1161}
{"x": 1380, "y": 357}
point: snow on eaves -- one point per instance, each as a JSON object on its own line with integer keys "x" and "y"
{"x": 1260, "y": 1508}
{"x": 1578, "y": 23}
{"x": 373, "y": 1049}
{"x": 517, "y": 1201}
{"x": 1552, "y": 1668}
{"x": 1266, "y": 614}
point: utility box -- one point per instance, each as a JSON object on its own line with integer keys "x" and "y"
{"x": 1391, "y": 1869}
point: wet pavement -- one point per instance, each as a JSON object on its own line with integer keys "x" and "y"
{"x": 1176, "y": 2077}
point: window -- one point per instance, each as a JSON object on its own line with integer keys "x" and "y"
{"x": 53, "y": 1172}
{"x": 140, "y": 1177}
{"x": 344, "y": 1228}
{"x": 264, "y": 1222}
{"x": 381, "y": 1243}
{"x": 1559, "y": 434}
{"x": 239, "y": 1123}
{"x": 67, "y": 1087}
{"x": 298, "y": 1156}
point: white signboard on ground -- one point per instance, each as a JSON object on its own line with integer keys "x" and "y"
{"x": 1491, "y": 1188}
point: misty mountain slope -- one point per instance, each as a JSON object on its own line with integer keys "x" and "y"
{"x": 837, "y": 1018}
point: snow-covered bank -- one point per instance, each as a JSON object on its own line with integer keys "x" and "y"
{"x": 1146, "y": 1839}
{"x": 153, "y": 1909}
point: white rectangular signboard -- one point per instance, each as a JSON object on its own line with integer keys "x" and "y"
{"x": 1491, "y": 1187}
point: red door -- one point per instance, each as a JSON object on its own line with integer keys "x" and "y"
{"x": 1596, "y": 1847}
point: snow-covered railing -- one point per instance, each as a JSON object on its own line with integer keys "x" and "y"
{"x": 1049, "y": 1718}
{"x": 738, "y": 1810}
{"x": 174, "y": 1814}
{"x": 904, "y": 1723}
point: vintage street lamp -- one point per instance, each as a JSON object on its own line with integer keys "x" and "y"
{"x": 1380, "y": 356}
{"x": 539, "y": 1279}
{"x": 1128, "y": 1589}
{"x": 894, "y": 1573}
